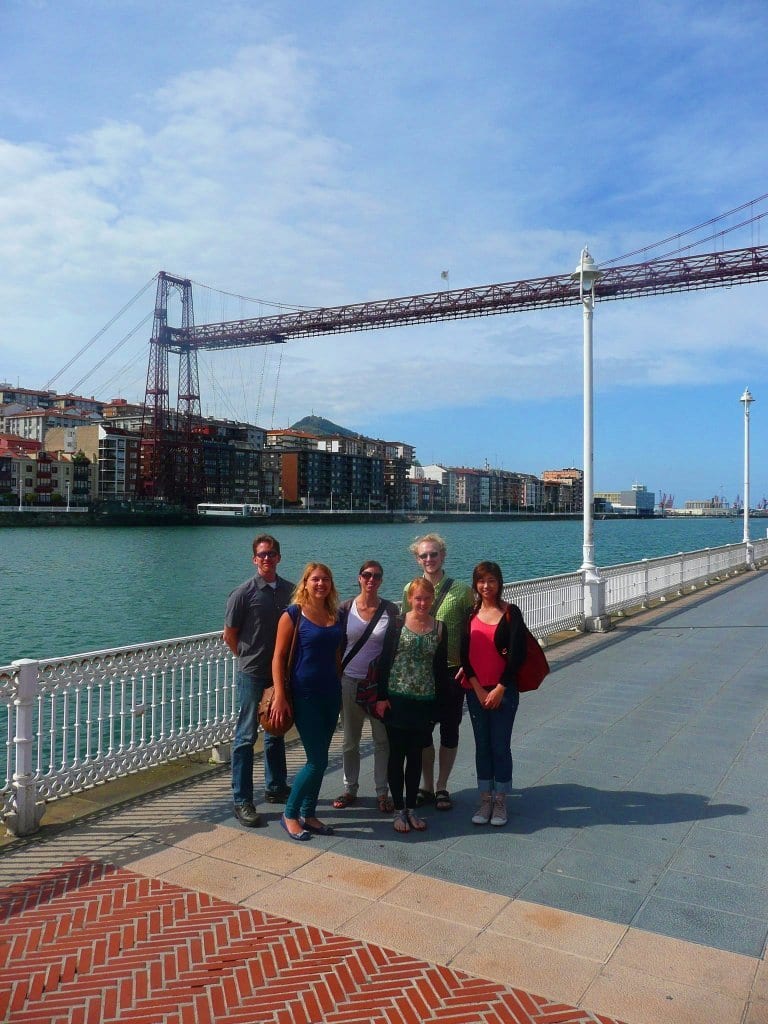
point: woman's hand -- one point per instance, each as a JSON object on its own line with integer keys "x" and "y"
{"x": 494, "y": 697}
{"x": 280, "y": 710}
{"x": 479, "y": 691}
{"x": 381, "y": 707}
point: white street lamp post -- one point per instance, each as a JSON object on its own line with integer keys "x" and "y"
{"x": 586, "y": 273}
{"x": 68, "y": 489}
{"x": 749, "y": 551}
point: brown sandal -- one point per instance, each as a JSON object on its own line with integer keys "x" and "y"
{"x": 345, "y": 800}
{"x": 443, "y": 800}
{"x": 386, "y": 806}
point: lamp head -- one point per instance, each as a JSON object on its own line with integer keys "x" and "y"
{"x": 747, "y": 398}
{"x": 587, "y": 271}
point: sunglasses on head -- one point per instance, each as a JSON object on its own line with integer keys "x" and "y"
{"x": 368, "y": 575}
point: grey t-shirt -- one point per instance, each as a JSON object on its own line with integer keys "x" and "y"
{"x": 253, "y": 609}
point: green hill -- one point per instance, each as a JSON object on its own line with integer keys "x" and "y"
{"x": 322, "y": 427}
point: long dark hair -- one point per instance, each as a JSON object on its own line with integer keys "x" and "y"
{"x": 481, "y": 570}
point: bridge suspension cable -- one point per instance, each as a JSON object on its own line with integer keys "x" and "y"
{"x": 115, "y": 348}
{"x": 689, "y": 231}
{"x": 98, "y": 334}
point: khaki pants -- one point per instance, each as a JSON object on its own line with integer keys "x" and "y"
{"x": 354, "y": 716}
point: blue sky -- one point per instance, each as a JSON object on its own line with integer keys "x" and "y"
{"x": 316, "y": 154}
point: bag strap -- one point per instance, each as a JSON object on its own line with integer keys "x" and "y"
{"x": 358, "y": 645}
{"x": 447, "y": 584}
{"x": 289, "y": 662}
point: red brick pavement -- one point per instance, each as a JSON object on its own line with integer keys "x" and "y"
{"x": 89, "y": 943}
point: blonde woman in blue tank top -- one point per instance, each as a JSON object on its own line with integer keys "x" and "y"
{"x": 315, "y": 687}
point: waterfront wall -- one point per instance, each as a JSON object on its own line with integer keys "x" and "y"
{"x": 294, "y": 517}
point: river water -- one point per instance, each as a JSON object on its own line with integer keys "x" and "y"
{"x": 65, "y": 591}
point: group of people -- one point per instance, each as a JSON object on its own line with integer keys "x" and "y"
{"x": 403, "y": 670}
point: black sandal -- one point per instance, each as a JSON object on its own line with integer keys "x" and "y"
{"x": 443, "y": 800}
{"x": 424, "y": 796}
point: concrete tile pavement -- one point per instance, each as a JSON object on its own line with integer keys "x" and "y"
{"x": 631, "y": 881}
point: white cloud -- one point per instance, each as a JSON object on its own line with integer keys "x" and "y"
{"x": 347, "y": 153}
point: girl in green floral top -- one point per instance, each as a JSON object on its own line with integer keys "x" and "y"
{"x": 408, "y": 700}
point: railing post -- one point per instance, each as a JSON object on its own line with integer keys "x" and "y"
{"x": 596, "y": 620}
{"x": 221, "y": 753}
{"x": 26, "y": 811}
{"x": 646, "y": 598}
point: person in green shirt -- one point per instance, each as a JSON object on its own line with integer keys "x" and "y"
{"x": 452, "y": 605}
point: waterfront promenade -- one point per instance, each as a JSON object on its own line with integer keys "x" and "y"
{"x": 630, "y": 885}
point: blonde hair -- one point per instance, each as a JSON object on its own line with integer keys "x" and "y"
{"x": 422, "y": 583}
{"x": 429, "y": 538}
{"x": 301, "y": 594}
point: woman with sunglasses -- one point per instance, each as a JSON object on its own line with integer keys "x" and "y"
{"x": 315, "y": 690}
{"x": 370, "y": 628}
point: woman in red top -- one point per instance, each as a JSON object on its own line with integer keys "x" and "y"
{"x": 493, "y": 649}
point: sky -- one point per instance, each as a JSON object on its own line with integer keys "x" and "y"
{"x": 300, "y": 154}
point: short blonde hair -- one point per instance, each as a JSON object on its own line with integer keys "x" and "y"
{"x": 429, "y": 538}
{"x": 301, "y": 594}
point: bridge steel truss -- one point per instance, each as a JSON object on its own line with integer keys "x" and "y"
{"x": 686, "y": 273}
{"x": 177, "y": 468}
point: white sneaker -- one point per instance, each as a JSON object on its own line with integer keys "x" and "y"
{"x": 499, "y": 814}
{"x": 483, "y": 813}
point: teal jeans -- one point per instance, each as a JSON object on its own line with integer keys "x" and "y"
{"x": 316, "y": 719}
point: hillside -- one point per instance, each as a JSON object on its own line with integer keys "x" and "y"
{"x": 322, "y": 427}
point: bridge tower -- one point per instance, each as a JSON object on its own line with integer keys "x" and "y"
{"x": 171, "y": 454}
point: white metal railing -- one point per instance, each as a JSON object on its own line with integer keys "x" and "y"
{"x": 67, "y": 724}
{"x": 550, "y": 604}
{"x": 72, "y": 723}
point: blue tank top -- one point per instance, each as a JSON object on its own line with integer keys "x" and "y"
{"x": 314, "y": 661}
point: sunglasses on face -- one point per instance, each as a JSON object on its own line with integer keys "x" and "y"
{"x": 427, "y": 555}
{"x": 266, "y": 554}
{"x": 371, "y": 575}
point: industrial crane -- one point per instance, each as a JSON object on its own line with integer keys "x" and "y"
{"x": 171, "y": 459}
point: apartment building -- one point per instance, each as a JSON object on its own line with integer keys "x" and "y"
{"x": 113, "y": 453}
{"x": 44, "y": 478}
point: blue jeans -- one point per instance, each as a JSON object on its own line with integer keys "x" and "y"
{"x": 316, "y": 719}
{"x": 249, "y": 692}
{"x": 493, "y": 741}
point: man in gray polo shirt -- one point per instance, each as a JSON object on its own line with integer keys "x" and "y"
{"x": 250, "y": 627}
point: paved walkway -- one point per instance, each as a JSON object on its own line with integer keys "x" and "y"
{"x": 630, "y": 885}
